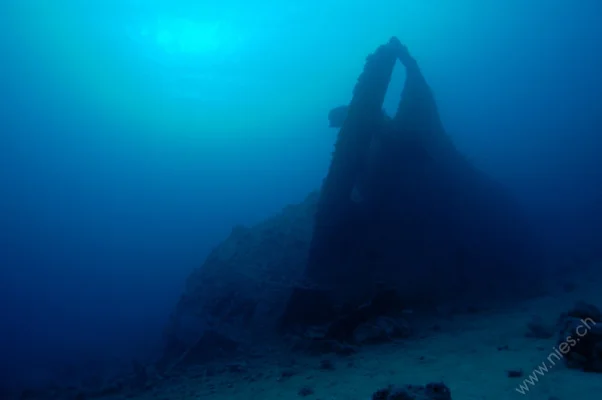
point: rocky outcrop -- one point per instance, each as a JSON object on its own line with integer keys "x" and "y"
{"x": 431, "y": 391}
{"x": 580, "y": 338}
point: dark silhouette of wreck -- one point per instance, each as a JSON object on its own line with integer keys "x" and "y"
{"x": 402, "y": 221}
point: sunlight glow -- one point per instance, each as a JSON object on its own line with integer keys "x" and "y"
{"x": 184, "y": 36}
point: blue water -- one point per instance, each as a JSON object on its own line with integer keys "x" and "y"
{"x": 134, "y": 136}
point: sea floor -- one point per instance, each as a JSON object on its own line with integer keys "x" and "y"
{"x": 470, "y": 353}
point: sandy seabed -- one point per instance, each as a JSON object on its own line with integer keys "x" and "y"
{"x": 470, "y": 353}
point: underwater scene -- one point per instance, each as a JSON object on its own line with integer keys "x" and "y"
{"x": 320, "y": 199}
